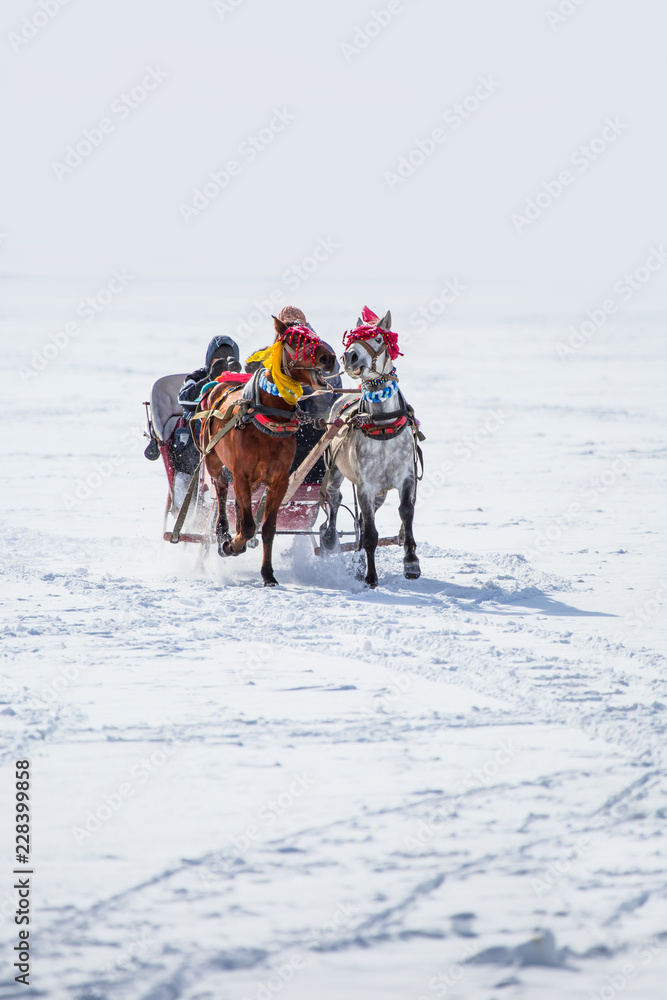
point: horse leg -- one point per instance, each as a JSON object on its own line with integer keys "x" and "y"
{"x": 274, "y": 498}
{"x": 222, "y": 524}
{"x": 245, "y": 522}
{"x": 329, "y": 534}
{"x": 406, "y": 508}
{"x": 369, "y": 535}
{"x": 380, "y": 499}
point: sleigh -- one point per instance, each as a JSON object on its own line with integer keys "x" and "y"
{"x": 167, "y": 432}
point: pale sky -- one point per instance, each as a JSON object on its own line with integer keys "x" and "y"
{"x": 315, "y": 111}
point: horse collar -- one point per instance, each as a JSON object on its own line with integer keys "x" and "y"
{"x": 267, "y": 386}
{"x": 375, "y": 393}
{"x": 383, "y": 387}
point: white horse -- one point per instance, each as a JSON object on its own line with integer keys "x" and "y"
{"x": 379, "y": 452}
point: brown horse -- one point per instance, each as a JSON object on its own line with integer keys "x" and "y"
{"x": 261, "y": 448}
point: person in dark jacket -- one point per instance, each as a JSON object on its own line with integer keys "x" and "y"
{"x": 222, "y": 355}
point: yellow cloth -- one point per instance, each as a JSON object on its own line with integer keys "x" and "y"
{"x": 271, "y": 358}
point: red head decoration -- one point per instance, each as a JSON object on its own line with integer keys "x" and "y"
{"x": 302, "y": 340}
{"x": 368, "y": 326}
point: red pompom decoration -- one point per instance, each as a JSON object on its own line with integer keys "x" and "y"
{"x": 370, "y": 329}
{"x": 302, "y": 340}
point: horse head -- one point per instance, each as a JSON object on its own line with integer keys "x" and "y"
{"x": 305, "y": 357}
{"x": 297, "y": 358}
{"x": 371, "y": 347}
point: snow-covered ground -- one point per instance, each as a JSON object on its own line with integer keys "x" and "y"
{"x": 453, "y": 787}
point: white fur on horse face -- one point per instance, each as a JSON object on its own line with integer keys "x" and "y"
{"x": 383, "y": 365}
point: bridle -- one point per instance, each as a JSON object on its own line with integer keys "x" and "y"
{"x": 375, "y": 354}
{"x": 290, "y": 359}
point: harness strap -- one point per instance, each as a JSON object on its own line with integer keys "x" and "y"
{"x": 401, "y": 417}
{"x": 260, "y": 413}
{"x": 258, "y": 409}
{"x": 381, "y": 418}
{"x": 313, "y": 456}
{"x": 202, "y": 414}
{"x": 281, "y": 428}
{"x": 187, "y": 500}
{"x": 374, "y": 429}
{"x": 291, "y": 365}
{"x": 324, "y": 486}
{"x": 261, "y": 506}
{"x": 420, "y": 456}
{"x": 417, "y": 436}
{"x": 373, "y": 353}
{"x": 330, "y": 453}
{"x": 273, "y": 411}
{"x": 415, "y": 423}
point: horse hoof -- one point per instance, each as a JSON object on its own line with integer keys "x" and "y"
{"x": 272, "y": 582}
{"x": 372, "y": 583}
{"x": 412, "y": 571}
